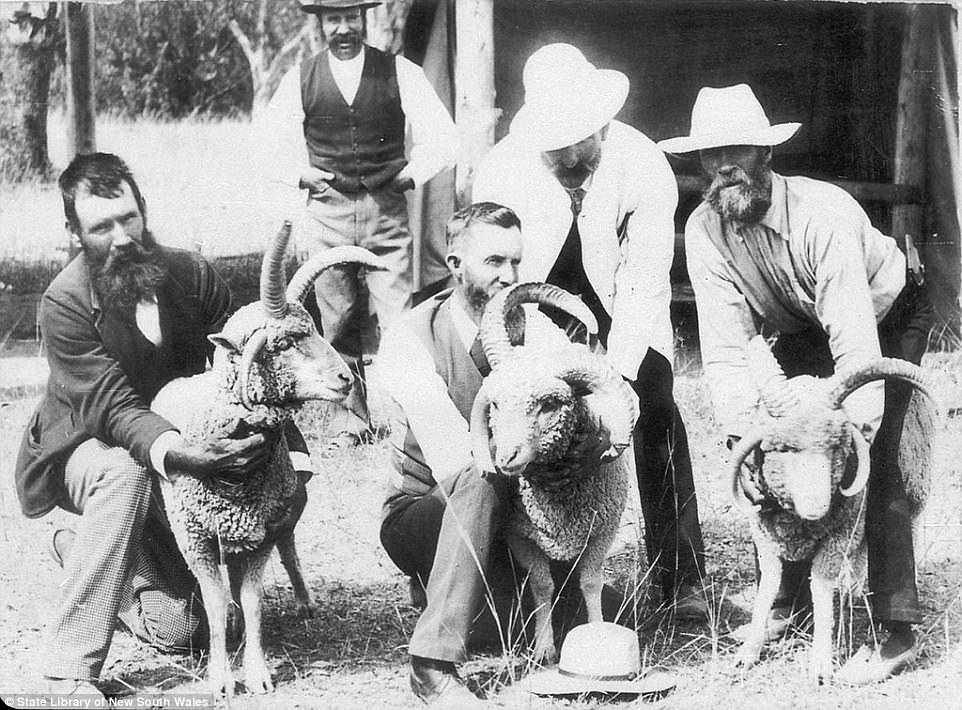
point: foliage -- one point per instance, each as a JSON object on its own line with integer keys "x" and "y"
{"x": 28, "y": 51}
{"x": 178, "y": 58}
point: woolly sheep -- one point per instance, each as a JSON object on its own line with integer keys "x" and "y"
{"x": 531, "y": 411}
{"x": 269, "y": 359}
{"x": 809, "y": 515}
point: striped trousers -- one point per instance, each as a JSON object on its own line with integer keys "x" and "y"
{"x": 124, "y": 564}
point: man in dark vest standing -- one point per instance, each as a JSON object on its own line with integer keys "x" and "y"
{"x": 350, "y": 105}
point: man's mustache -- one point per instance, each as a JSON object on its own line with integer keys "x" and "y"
{"x": 132, "y": 254}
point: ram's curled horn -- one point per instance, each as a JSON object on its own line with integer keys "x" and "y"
{"x": 335, "y": 256}
{"x": 272, "y": 274}
{"x": 252, "y": 351}
{"x": 481, "y": 432}
{"x": 844, "y": 383}
{"x": 494, "y": 332}
{"x": 743, "y": 449}
{"x": 864, "y": 463}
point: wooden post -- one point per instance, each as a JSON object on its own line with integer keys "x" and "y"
{"x": 911, "y": 124}
{"x": 81, "y": 116}
{"x": 474, "y": 111}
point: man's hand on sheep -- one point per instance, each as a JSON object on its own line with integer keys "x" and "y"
{"x": 217, "y": 457}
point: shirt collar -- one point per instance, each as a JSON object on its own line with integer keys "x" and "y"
{"x": 465, "y": 327}
{"x": 351, "y": 63}
{"x": 776, "y": 218}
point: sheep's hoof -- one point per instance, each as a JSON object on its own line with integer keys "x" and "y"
{"x": 257, "y": 679}
{"x": 747, "y": 656}
{"x": 221, "y": 684}
{"x": 306, "y": 609}
{"x": 820, "y": 669}
{"x": 546, "y": 655}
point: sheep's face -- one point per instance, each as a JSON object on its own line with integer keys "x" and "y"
{"x": 531, "y": 419}
{"x": 805, "y": 460}
{"x": 296, "y": 364}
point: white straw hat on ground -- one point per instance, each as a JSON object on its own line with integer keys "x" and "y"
{"x": 599, "y": 658}
{"x": 566, "y": 98}
{"x": 728, "y": 116}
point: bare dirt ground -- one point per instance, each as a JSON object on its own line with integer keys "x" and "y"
{"x": 352, "y": 654}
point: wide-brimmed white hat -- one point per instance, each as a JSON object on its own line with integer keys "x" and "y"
{"x": 599, "y": 658}
{"x": 566, "y": 98}
{"x": 728, "y": 116}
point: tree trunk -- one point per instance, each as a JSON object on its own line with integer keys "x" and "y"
{"x": 81, "y": 106}
{"x": 267, "y": 72}
{"x": 385, "y": 25}
{"x": 910, "y": 130}
{"x": 23, "y": 96}
{"x": 475, "y": 113}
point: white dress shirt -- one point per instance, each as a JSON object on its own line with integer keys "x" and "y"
{"x": 434, "y": 140}
{"x": 626, "y": 225}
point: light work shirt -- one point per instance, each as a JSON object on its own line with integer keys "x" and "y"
{"x": 433, "y": 138}
{"x": 814, "y": 259}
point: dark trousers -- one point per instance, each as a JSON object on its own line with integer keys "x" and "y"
{"x": 445, "y": 539}
{"x": 673, "y": 538}
{"x": 888, "y": 525}
{"x": 450, "y": 541}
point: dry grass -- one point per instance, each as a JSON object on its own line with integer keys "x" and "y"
{"x": 204, "y": 184}
{"x": 353, "y": 653}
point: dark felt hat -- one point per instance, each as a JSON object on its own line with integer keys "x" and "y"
{"x": 317, "y": 6}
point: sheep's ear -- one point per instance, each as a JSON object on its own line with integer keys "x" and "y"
{"x": 222, "y": 341}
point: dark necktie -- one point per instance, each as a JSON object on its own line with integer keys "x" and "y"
{"x": 477, "y": 354}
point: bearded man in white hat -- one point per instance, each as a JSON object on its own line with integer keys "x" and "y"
{"x": 597, "y": 200}
{"x": 798, "y": 260}
{"x": 350, "y": 106}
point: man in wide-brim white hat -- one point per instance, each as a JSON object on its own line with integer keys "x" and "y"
{"x": 340, "y": 122}
{"x": 798, "y": 258}
{"x": 597, "y": 201}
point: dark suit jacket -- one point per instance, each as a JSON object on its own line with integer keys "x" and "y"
{"x": 104, "y": 372}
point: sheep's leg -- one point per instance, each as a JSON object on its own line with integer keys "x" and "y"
{"x": 823, "y": 591}
{"x": 591, "y": 576}
{"x": 235, "y": 620}
{"x": 257, "y": 676}
{"x": 201, "y": 557}
{"x": 302, "y": 597}
{"x": 533, "y": 559}
{"x": 770, "y": 575}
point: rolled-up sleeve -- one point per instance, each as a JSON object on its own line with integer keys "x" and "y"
{"x": 725, "y": 327}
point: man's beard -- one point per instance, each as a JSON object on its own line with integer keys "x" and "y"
{"x": 747, "y": 197}
{"x": 127, "y": 277}
{"x": 575, "y": 176}
{"x": 476, "y": 296}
